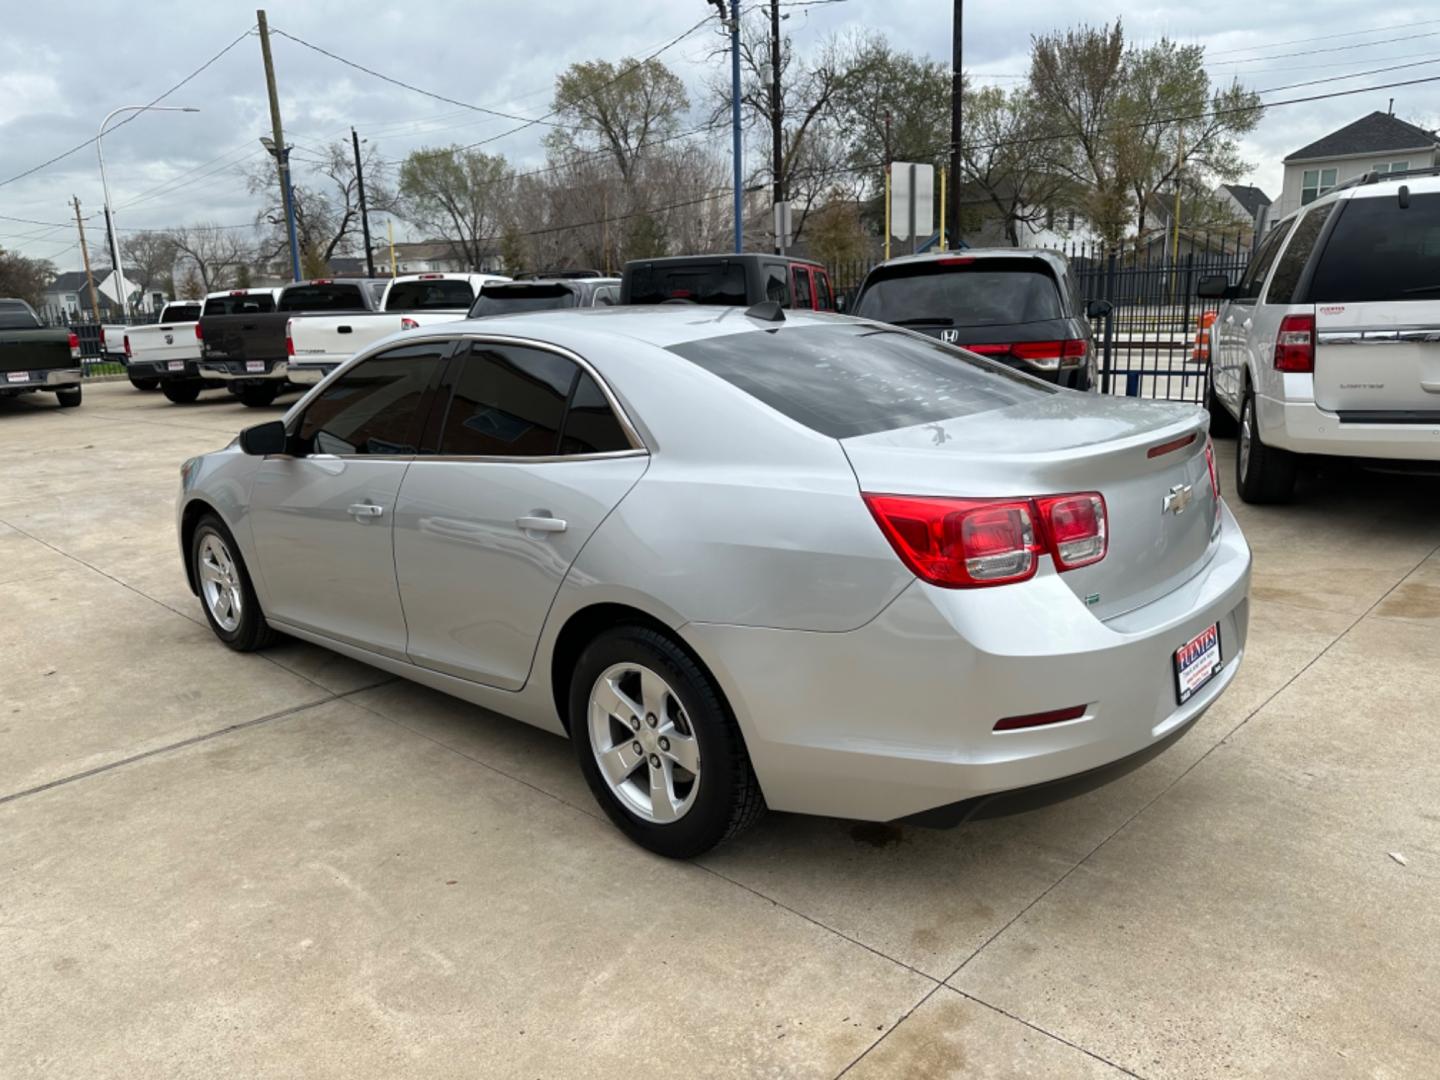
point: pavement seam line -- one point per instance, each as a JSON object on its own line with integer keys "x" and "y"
{"x": 893, "y": 1027}
{"x": 182, "y": 744}
{"x": 1195, "y": 764}
{"x": 1048, "y": 1034}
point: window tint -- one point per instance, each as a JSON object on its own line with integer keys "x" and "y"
{"x": 855, "y": 379}
{"x": 802, "y": 288}
{"x": 180, "y": 313}
{"x": 822, "y": 291}
{"x": 777, "y": 284}
{"x": 719, "y": 282}
{"x": 510, "y": 299}
{"x": 509, "y": 401}
{"x": 375, "y": 408}
{"x": 15, "y": 315}
{"x": 1260, "y": 265}
{"x": 591, "y": 426}
{"x": 985, "y": 292}
{"x": 336, "y": 296}
{"x": 430, "y": 296}
{"x": 1377, "y": 251}
{"x": 256, "y": 303}
{"x": 1297, "y": 254}
{"x": 606, "y": 296}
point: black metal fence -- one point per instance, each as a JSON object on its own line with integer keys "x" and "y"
{"x": 96, "y": 357}
{"x": 1147, "y": 343}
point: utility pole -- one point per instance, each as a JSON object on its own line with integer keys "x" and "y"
{"x": 733, "y": 24}
{"x": 364, "y": 213}
{"x": 279, "y": 149}
{"x": 777, "y": 120}
{"x": 957, "y": 88}
{"x": 887, "y": 185}
{"x": 85, "y": 251}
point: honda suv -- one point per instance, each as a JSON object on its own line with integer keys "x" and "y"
{"x": 1330, "y": 342}
{"x": 1018, "y": 306}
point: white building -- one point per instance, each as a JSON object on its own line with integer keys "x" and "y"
{"x": 1379, "y": 142}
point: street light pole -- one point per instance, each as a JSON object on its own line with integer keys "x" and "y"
{"x": 105, "y": 187}
{"x": 364, "y": 211}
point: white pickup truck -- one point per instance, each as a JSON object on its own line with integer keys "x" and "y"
{"x": 319, "y": 343}
{"x": 162, "y": 352}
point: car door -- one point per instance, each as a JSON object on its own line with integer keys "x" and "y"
{"x": 803, "y": 296}
{"x": 1237, "y": 320}
{"x": 532, "y": 455}
{"x": 323, "y": 520}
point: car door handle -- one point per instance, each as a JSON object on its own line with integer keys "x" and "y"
{"x": 542, "y": 524}
{"x": 1248, "y": 323}
{"x": 342, "y": 330}
{"x": 1430, "y": 387}
{"x": 365, "y": 510}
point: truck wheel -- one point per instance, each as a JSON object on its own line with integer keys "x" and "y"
{"x": 181, "y": 391}
{"x": 658, "y": 745}
{"x": 225, "y": 590}
{"x": 141, "y": 383}
{"x": 257, "y": 397}
{"x": 1222, "y": 424}
{"x": 1263, "y": 474}
{"x": 69, "y": 398}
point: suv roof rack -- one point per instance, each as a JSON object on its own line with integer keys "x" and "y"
{"x": 1373, "y": 177}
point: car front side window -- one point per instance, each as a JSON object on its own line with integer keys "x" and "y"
{"x": 376, "y": 407}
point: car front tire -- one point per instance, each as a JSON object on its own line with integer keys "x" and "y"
{"x": 144, "y": 384}
{"x": 1263, "y": 474}
{"x": 658, "y": 745}
{"x": 226, "y": 593}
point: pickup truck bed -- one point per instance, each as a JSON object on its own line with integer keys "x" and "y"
{"x": 35, "y": 357}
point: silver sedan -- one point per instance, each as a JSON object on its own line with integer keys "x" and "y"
{"x": 743, "y": 559}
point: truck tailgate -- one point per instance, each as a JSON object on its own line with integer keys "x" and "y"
{"x": 257, "y": 336}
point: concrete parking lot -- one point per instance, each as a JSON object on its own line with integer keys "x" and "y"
{"x": 290, "y": 864}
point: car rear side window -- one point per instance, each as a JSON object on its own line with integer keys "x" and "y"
{"x": 376, "y": 407}
{"x": 17, "y": 316}
{"x": 509, "y": 401}
{"x": 1379, "y": 251}
{"x": 850, "y": 380}
{"x": 437, "y": 295}
{"x": 719, "y": 282}
{"x": 240, "y": 304}
{"x": 1297, "y": 254}
{"x": 823, "y": 292}
{"x": 336, "y": 296}
{"x": 777, "y": 284}
{"x": 591, "y": 426}
{"x": 961, "y": 292}
{"x": 802, "y": 288}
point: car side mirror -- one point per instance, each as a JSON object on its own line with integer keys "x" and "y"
{"x": 1214, "y": 287}
{"x": 1098, "y": 309}
{"x": 263, "y": 439}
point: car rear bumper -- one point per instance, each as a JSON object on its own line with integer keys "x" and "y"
{"x": 897, "y": 718}
{"x": 54, "y": 379}
{"x": 162, "y": 369}
{"x": 1305, "y": 428}
{"x": 245, "y": 370}
{"x": 310, "y": 374}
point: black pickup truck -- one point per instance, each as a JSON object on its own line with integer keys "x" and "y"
{"x": 36, "y": 357}
{"x": 248, "y": 349}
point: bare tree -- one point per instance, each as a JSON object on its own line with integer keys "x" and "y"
{"x": 459, "y": 195}
{"x": 149, "y": 259}
{"x": 1014, "y": 171}
{"x": 212, "y": 252}
{"x": 624, "y": 109}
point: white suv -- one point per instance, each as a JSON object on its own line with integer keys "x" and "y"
{"x": 1330, "y": 343}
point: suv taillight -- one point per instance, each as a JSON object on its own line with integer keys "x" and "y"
{"x": 75, "y": 345}
{"x": 128, "y": 353}
{"x": 289, "y": 340}
{"x": 1295, "y": 344}
{"x": 199, "y": 334}
{"x": 973, "y": 543}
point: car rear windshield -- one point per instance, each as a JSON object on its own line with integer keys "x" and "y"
{"x": 985, "y": 292}
{"x": 850, "y": 380}
{"x": 333, "y": 297}
{"x": 699, "y": 283}
{"x": 510, "y": 299}
{"x": 1381, "y": 251}
{"x": 244, "y": 304}
{"x": 429, "y": 295}
{"x": 180, "y": 313}
{"x": 16, "y": 316}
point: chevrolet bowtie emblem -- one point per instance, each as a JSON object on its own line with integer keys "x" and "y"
{"x": 1178, "y": 498}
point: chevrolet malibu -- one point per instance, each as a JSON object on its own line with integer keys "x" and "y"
{"x": 743, "y": 558}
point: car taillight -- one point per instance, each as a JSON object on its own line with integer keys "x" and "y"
{"x": 289, "y": 340}
{"x": 128, "y": 353}
{"x": 972, "y": 543}
{"x": 1214, "y": 472}
{"x": 409, "y": 324}
{"x": 1295, "y": 344}
{"x": 1031, "y": 350}
{"x": 199, "y": 334}
{"x": 74, "y": 345}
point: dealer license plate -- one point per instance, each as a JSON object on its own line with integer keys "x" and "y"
{"x": 254, "y": 365}
{"x": 18, "y": 376}
{"x": 176, "y": 365}
{"x": 1196, "y": 662}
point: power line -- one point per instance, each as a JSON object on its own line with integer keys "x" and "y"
{"x": 90, "y": 141}
{"x": 1342, "y": 78}
{"x": 1322, "y": 37}
{"x": 1330, "y": 49}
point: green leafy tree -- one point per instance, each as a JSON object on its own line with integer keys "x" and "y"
{"x": 837, "y": 234}
{"x": 622, "y": 109}
{"x": 23, "y": 277}
{"x": 1011, "y": 170}
{"x": 459, "y": 195}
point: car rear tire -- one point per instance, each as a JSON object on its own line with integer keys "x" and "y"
{"x": 226, "y": 594}
{"x": 181, "y": 391}
{"x": 1222, "y": 424}
{"x": 144, "y": 384}
{"x": 69, "y": 398}
{"x": 257, "y": 397}
{"x": 635, "y": 687}
{"x": 1263, "y": 474}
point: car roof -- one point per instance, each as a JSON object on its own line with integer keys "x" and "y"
{"x": 1054, "y": 258}
{"x": 743, "y": 256}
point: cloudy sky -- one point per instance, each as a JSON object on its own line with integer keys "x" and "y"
{"x": 63, "y": 65}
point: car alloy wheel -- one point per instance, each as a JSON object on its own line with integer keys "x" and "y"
{"x": 220, "y": 583}
{"x": 643, "y": 743}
